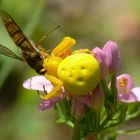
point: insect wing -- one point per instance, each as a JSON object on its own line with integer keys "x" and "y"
{"x": 33, "y": 54}
{"x": 16, "y": 33}
{"x": 7, "y": 52}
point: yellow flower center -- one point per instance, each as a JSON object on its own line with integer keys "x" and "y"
{"x": 123, "y": 83}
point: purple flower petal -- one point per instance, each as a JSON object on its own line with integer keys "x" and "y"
{"x": 46, "y": 104}
{"x": 38, "y": 83}
{"x": 128, "y": 98}
{"x": 101, "y": 57}
{"x": 93, "y": 100}
{"x": 126, "y": 91}
{"x": 97, "y": 98}
{"x": 77, "y": 108}
{"x": 124, "y": 84}
{"x": 113, "y": 56}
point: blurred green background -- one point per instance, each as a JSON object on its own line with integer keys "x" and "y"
{"x": 91, "y": 23}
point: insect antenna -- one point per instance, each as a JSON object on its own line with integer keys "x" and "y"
{"x": 49, "y": 32}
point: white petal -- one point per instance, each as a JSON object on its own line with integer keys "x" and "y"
{"x": 136, "y": 92}
{"x": 38, "y": 83}
{"x": 133, "y": 96}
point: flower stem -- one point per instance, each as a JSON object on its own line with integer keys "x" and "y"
{"x": 76, "y": 131}
{"x": 114, "y": 91}
{"x": 91, "y": 137}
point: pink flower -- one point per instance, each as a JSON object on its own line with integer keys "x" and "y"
{"x": 46, "y": 104}
{"x": 93, "y": 100}
{"x": 40, "y": 83}
{"x": 77, "y": 108}
{"x": 126, "y": 90}
{"x": 113, "y": 56}
{"x": 101, "y": 57}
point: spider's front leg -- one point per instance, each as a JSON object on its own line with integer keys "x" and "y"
{"x": 82, "y": 51}
{"x": 57, "y": 89}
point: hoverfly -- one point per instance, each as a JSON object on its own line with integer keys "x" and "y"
{"x": 33, "y": 54}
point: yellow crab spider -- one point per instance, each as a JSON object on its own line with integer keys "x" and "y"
{"x": 77, "y": 72}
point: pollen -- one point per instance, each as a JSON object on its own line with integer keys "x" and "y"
{"x": 123, "y": 86}
{"x": 94, "y": 54}
{"x": 123, "y": 82}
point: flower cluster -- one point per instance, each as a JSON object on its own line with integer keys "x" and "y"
{"x": 86, "y": 87}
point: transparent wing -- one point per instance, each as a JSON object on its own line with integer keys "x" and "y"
{"x": 16, "y": 33}
{"x": 7, "y": 52}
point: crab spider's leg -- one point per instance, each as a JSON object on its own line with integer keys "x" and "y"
{"x": 64, "y": 47}
{"x": 82, "y": 51}
{"x": 56, "y": 91}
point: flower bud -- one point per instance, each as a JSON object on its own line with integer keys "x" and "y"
{"x": 113, "y": 56}
{"x": 78, "y": 108}
{"x": 93, "y": 100}
{"x": 101, "y": 57}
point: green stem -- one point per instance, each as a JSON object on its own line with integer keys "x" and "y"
{"x": 107, "y": 103}
{"x": 91, "y": 137}
{"x": 114, "y": 91}
{"x": 104, "y": 122}
{"x": 105, "y": 88}
{"x": 76, "y": 131}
